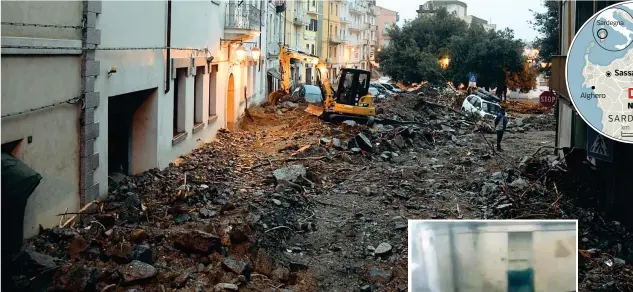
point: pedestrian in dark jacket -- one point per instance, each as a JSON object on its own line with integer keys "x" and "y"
{"x": 500, "y": 126}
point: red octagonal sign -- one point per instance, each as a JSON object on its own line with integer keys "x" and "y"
{"x": 548, "y": 99}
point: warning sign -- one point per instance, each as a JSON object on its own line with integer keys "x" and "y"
{"x": 598, "y": 146}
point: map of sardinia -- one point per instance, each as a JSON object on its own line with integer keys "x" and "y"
{"x": 600, "y": 72}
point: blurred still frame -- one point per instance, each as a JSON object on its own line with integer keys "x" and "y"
{"x": 493, "y": 255}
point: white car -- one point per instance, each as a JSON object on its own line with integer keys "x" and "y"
{"x": 381, "y": 88}
{"x": 391, "y": 87}
{"x": 476, "y": 105}
{"x": 384, "y": 79}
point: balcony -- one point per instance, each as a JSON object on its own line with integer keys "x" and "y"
{"x": 354, "y": 27}
{"x": 345, "y": 20}
{"x": 241, "y": 22}
{"x": 335, "y": 39}
{"x": 558, "y": 82}
{"x": 301, "y": 19}
{"x": 373, "y": 27}
{"x": 365, "y": 26}
{"x": 355, "y": 10}
{"x": 312, "y": 10}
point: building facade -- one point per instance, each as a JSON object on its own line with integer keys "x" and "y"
{"x": 385, "y": 19}
{"x": 48, "y": 140}
{"x": 457, "y": 8}
{"x": 572, "y": 132}
{"x": 150, "y": 94}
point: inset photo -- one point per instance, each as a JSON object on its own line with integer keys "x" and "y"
{"x": 493, "y": 255}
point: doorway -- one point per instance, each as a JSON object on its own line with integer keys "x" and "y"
{"x": 132, "y": 132}
{"x": 230, "y": 103}
{"x": 309, "y": 76}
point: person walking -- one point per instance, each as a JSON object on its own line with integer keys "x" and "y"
{"x": 500, "y": 126}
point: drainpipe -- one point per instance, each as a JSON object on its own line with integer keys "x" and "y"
{"x": 168, "y": 62}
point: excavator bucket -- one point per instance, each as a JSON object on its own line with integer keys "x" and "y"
{"x": 314, "y": 110}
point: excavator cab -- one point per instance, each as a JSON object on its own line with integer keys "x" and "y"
{"x": 353, "y": 84}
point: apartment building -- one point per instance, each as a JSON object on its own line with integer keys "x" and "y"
{"x": 143, "y": 105}
{"x": 274, "y": 37}
{"x": 385, "y": 19}
{"x": 608, "y": 174}
{"x": 458, "y": 8}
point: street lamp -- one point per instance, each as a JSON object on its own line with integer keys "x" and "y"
{"x": 240, "y": 52}
{"x": 256, "y": 53}
{"x": 444, "y": 62}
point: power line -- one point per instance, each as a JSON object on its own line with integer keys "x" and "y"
{"x": 42, "y": 25}
{"x": 74, "y": 100}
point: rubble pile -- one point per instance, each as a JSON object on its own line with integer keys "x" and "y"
{"x": 533, "y": 191}
{"x": 525, "y": 107}
{"x": 191, "y": 226}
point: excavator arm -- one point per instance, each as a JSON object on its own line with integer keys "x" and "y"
{"x": 285, "y": 55}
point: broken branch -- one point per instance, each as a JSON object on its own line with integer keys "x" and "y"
{"x": 79, "y": 213}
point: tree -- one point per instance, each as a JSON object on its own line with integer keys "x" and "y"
{"x": 414, "y": 51}
{"x": 523, "y": 81}
{"x": 546, "y": 23}
{"x": 403, "y": 60}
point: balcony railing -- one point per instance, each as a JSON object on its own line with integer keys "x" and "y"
{"x": 312, "y": 9}
{"x": 244, "y": 16}
{"x": 365, "y": 26}
{"x": 301, "y": 18}
{"x": 558, "y": 82}
{"x": 345, "y": 20}
{"x": 355, "y": 27}
{"x": 335, "y": 39}
{"x": 355, "y": 9}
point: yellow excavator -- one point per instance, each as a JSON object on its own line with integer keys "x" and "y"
{"x": 351, "y": 100}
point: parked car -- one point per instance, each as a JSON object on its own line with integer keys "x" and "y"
{"x": 381, "y": 88}
{"x": 311, "y": 93}
{"x": 384, "y": 79}
{"x": 391, "y": 87}
{"x": 374, "y": 91}
{"x": 476, "y": 105}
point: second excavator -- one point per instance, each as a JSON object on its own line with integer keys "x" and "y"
{"x": 350, "y": 100}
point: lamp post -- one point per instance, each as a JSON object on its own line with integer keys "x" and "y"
{"x": 240, "y": 52}
{"x": 256, "y": 54}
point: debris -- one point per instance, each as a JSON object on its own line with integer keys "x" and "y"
{"x": 136, "y": 271}
{"x": 142, "y": 253}
{"x": 281, "y": 274}
{"x": 221, "y": 287}
{"x": 290, "y": 173}
{"x": 382, "y": 249}
{"x": 235, "y": 265}
{"x": 196, "y": 241}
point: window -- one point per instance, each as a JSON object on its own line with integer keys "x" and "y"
{"x": 584, "y": 10}
{"x": 307, "y": 48}
{"x": 198, "y": 96}
{"x": 213, "y": 79}
{"x": 179, "y": 102}
{"x": 313, "y": 2}
{"x": 477, "y": 103}
{"x": 313, "y": 53}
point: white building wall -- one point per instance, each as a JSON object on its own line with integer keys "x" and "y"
{"x": 32, "y": 80}
{"x": 194, "y": 25}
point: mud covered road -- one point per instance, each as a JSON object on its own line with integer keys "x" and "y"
{"x": 288, "y": 203}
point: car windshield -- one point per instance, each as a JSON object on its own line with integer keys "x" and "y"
{"x": 491, "y": 108}
{"x": 312, "y": 94}
{"x": 387, "y": 86}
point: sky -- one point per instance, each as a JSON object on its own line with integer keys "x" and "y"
{"x": 503, "y": 13}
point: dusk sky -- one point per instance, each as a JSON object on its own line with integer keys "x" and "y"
{"x": 503, "y": 13}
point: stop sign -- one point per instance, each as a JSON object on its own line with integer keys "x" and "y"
{"x": 547, "y": 99}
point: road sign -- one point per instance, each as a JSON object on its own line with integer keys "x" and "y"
{"x": 630, "y": 92}
{"x": 472, "y": 79}
{"x": 548, "y": 99}
{"x": 598, "y": 146}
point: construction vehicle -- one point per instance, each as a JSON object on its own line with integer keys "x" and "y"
{"x": 350, "y": 101}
